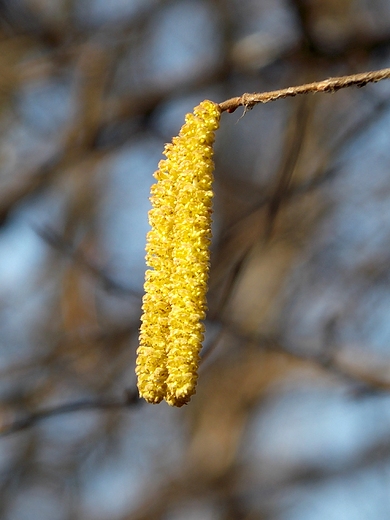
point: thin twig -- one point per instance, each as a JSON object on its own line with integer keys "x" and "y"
{"x": 130, "y": 399}
{"x": 58, "y": 242}
{"x": 364, "y": 382}
{"x": 328, "y": 85}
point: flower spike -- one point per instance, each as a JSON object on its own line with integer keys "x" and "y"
{"x": 177, "y": 248}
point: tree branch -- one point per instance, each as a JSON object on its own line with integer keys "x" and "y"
{"x": 128, "y": 400}
{"x": 328, "y": 85}
{"x": 65, "y": 247}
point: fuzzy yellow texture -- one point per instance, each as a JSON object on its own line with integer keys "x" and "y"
{"x": 178, "y": 254}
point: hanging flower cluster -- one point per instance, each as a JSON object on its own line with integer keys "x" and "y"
{"x": 177, "y": 249}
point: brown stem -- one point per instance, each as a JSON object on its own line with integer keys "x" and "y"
{"x": 328, "y": 85}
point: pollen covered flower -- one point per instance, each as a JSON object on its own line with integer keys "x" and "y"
{"x": 178, "y": 254}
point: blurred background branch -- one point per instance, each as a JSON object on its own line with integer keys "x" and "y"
{"x": 131, "y": 398}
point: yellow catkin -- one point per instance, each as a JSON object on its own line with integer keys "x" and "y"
{"x": 178, "y": 254}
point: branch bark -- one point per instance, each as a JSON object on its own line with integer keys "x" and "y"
{"x": 328, "y": 85}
